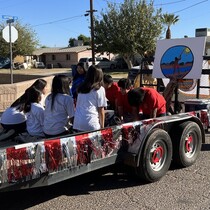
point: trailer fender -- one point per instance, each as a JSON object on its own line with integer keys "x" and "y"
{"x": 145, "y": 127}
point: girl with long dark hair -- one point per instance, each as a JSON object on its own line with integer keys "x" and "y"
{"x": 34, "y": 112}
{"x": 59, "y": 108}
{"x": 91, "y": 100}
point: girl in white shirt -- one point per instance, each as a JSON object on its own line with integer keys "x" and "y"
{"x": 13, "y": 117}
{"x": 59, "y": 108}
{"x": 89, "y": 114}
{"x": 34, "y": 112}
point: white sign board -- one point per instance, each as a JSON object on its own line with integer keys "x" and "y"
{"x": 179, "y": 58}
{"x": 6, "y": 34}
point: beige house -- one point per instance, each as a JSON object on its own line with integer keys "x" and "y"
{"x": 62, "y": 57}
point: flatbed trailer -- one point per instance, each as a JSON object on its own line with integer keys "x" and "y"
{"x": 148, "y": 145}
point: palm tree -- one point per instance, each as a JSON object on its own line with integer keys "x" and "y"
{"x": 169, "y": 19}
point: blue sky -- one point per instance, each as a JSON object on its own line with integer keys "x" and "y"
{"x": 179, "y": 52}
{"x": 57, "y": 21}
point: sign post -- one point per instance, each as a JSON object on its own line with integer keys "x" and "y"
{"x": 10, "y": 34}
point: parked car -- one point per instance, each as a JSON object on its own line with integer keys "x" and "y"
{"x": 18, "y": 66}
{"x": 39, "y": 65}
{"x": 4, "y": 63}
{"x": 121, "y": 64}
{"x": 104, "y": 63}
{"x": 87, "y": 62}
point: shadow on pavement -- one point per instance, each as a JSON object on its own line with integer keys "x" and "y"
{"x": 205, "y": 147}
{"x": 105, "y": 179}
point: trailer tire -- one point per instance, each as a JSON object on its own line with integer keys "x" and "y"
{"x": 155, "y": 158}
{"x": 187, "y": 147}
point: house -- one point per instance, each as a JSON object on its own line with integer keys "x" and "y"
{"x": 199, "y": 32}
{"x": 61, "y": 57}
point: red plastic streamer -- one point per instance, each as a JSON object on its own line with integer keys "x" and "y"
{"x": 53, "y": 154}
{"x": 19, "y": 166}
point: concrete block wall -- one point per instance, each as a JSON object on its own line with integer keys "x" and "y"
{"x": 10, "y": 92}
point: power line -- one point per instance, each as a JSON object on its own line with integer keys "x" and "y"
{"x": 56, "y": 21}
{"x": 174, "y": 2}
{"x": 112, "y": 2}
{"x": 190, "y": 6}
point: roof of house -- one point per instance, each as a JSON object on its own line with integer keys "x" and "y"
{"x": 76, "y": 49}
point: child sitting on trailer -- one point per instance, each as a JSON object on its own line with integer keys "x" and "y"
{"x": 35, "y": 113}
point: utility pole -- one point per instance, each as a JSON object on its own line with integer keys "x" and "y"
{"x": 91, "y": 11}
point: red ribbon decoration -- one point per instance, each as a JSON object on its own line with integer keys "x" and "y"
{"x": 204, "y": 118}
{"x": 84, "y": 148}
{"x": 53, "y": 154}
{"x": 126, "y": 131}
{"x": 19, "y": 166}
{"x": 107, "y": 135}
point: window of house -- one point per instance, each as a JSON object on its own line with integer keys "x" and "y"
{"x": 53, "y": 57}
{"x": 68, "y": 57}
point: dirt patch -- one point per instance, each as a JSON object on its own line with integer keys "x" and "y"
{"x": 6, "y": 78}
{"x": 30, "y": 74}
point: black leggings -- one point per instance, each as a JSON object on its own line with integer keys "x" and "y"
{"x": 19, "y": 128}
{"x": 56, "y": 135}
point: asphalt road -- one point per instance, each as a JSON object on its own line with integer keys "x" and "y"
{"x": 187, "y": 188}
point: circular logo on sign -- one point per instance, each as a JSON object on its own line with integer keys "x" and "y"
{"x": 177, "y": 62}
{"x": 187, "y": 84}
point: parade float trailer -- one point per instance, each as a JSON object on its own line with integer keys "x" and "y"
{"x": 149, "y": 146}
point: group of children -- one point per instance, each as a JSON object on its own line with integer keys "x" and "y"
{"x": 47, "y": 119}
{"x": 82, "y": 106}
{"x": 132, "y": 104}
{"x": 17, "y": 115}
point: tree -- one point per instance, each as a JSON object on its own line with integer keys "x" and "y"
{"x": 168, "y": 20}
{"x": 85, "y": 39}
{"x": 26, "y": 43}
{"x": 71, "y": 42}
{"x": 129, "y": 28}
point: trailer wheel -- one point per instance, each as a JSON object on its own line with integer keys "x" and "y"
{"x": 186, "y": 144}
{"x": 156, "y": 156}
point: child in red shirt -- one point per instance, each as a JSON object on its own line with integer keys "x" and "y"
{"x": 149, "y": 101}
{"x": 112, "y": 91}
{"x": 123, "y": 107}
